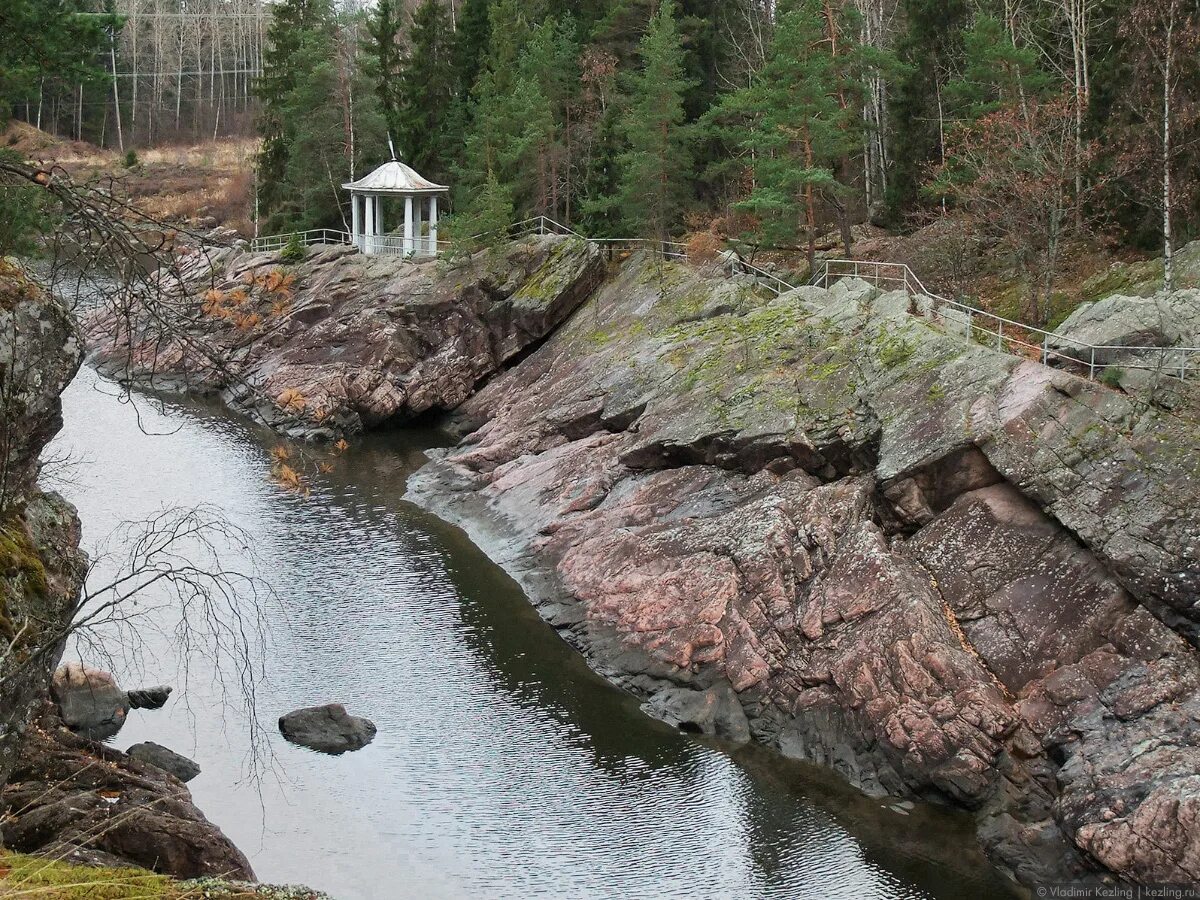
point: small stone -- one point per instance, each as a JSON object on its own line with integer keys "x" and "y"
{"x": 169, "y": 761}
{"x": 149, "y": 698}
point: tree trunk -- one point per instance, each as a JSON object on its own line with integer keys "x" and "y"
{"x": 112, "y": 55}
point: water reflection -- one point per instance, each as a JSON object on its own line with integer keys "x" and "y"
{"x": 503, "y": 767}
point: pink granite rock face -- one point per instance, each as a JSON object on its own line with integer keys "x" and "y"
{"x": 812, "y": 521}
{"x": 940, "y": 571}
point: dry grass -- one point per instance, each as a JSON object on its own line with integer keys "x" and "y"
{"x": 176, "y": 184}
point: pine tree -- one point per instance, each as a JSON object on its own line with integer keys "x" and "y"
{"x": 792, "y": 126}
{"x": 59, "y": 39}
{"x": 996, "y": 72}
{"x": 656, "y": 169}
{"x": 427, "y": 92}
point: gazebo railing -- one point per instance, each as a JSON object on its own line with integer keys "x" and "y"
{"x": 398, "y": 245}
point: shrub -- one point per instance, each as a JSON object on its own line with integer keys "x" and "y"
{"x": 293, "y": 250}
{"x": 1111, "y": 376}
{"x": 704, "y": 247}
{"x": 130, "y": 160}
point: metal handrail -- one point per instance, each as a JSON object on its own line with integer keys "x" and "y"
{"x": 872, "y": 270}
{"x": 877, "y": 271}
{"x": 307, "y": 238}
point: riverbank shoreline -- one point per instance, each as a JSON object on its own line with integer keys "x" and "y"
{"x": 817, "y": 522}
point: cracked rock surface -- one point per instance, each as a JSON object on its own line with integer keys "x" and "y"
{"x": 339, "y": 342}
{"x": 820, "y": 523}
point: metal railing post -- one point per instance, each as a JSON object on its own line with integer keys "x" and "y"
{"x": 1045, "y": 350}
{"x": 1092, "y": 366}
{"x": 1000, "y": 335}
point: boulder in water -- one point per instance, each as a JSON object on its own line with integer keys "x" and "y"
{"x": 91, "y": 703}
{"x": 167, "y": 760}
{"x": 149, "y": 698}
{"x": 327, "y": 729}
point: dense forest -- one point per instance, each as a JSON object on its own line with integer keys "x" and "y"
{"x": 1033, "y": 122}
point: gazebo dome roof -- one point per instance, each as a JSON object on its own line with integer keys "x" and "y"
{"x": 394, "y": 177}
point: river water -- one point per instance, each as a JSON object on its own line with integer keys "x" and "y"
{"x": 503, "y": 767}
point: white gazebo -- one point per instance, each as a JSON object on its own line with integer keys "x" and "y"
{"x": 395, "y": 179}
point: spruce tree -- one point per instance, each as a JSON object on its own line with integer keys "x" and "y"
{"x": 471, "y": 43}
{"x": 427, "y": 92}
{"x": 386, "y": 61}
{"x": 496, "y": 133}
{"x": 929, "y": 47}
{"x": 292, "y": 21}
{"x": 320, "y": 118}
{"x": 656, "y": 169}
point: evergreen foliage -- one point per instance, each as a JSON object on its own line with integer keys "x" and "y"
{"x": 424, "y": 123}
{"x": 793, "y": 126}
{"x": 321, "y": 118}
{"x": 656, "y": 167}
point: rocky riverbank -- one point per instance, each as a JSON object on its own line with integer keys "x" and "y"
{"x": 341, "y": 342}
{"x": 812, "y": 521}
{"x": 61, "y": 793}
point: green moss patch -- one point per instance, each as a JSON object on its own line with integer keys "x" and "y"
{"x": 31, "y": 876}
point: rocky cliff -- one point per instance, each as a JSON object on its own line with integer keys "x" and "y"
{"x": 824, "y": 524}
{"x": 812, "y": 521}
{"x": 61, "y": 794}
{"x": 41, "y": 567}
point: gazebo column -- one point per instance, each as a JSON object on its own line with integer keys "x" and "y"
{"x": 368, "y": 224}
{"x": 379, "y": 229}
{"x": 355, "y": 222}
{"x": 408, "y": 225}
{"x": 418, "y": 242}
{"x": 433, "y": 219}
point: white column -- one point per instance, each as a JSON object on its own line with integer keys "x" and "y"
{"x": 368, "y": 224}
{"x": 433, "y": 248}
{"x": 418, "y": 244}
{"x": 356, "y": 222}
{"x": 379, "y": 229}
{"x": 408, "y": 225}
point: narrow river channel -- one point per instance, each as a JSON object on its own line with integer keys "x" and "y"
{"x": 503, "y": 767}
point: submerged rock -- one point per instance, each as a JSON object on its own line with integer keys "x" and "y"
{"x": 327, "y": 729}
{"x": 149, "y": 698}
{"x": 93, "y": 705}
{"x": 169, "y": 761}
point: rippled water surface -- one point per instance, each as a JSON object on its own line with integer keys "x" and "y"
{"x": 503, "y": 767}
